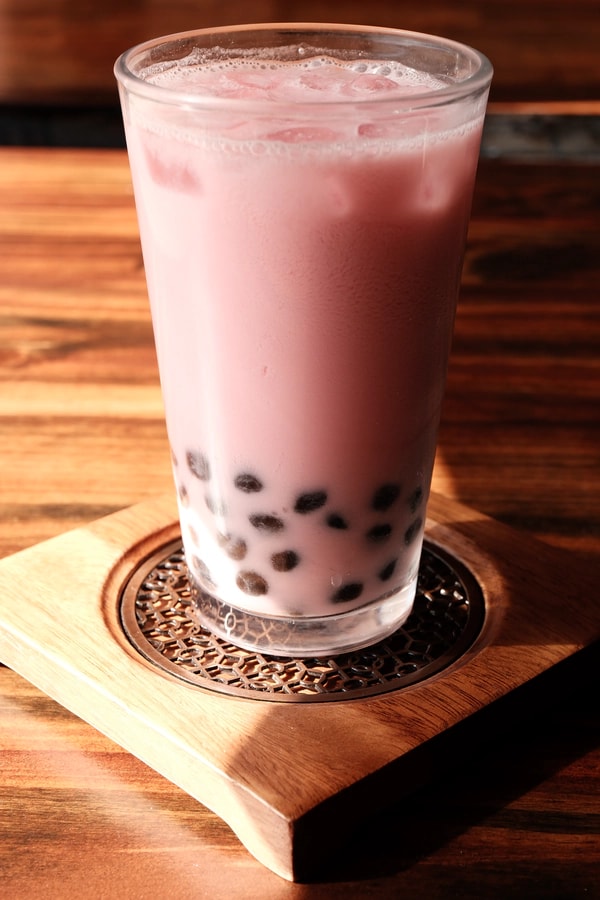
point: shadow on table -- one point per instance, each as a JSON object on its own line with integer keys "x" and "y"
{"x": 476, "y": 789}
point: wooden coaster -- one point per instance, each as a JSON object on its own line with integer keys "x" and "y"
{"x": 291, "y": 778}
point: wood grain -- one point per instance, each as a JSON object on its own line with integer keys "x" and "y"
{"x": 75, "y": 327}
{"x": 81, "y": 435}
{"x": 284, "y": 775}
{"x": 62, "y": 51}
{"x": 520, "y": 431}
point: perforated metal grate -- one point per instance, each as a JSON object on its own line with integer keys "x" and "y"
{"x": 159, "y": 618}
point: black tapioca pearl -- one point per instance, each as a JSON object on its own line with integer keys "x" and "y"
{"x": 334, "y": 520}
{"x": 184, "y": 497}
{"x": 388, "y": 570}
{"x": 202, "y": 571}
{"x": 198, "y": 464}
{"x": 266, "y": 522}
{"x": 174, "y": 458}
{"x": 309, "y": 502}
{"x": 252, "y": 583}
{"x": 379, "y": 533}
{"x": 248, "y": 483}
{"x": 235, "y": 547}
{"x": 347, "y": 592}
{"x": 216, "y": 507}
{"x": 385, "y": 496}
{"x": 285, "y": 561}
{"x": 414, "y": 501}
{"x": 412, "y": 531}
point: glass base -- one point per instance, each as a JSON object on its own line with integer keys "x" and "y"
{"x": 303, "y": 637}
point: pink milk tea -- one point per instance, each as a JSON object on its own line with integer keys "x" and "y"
{"x": 303, "y": 275}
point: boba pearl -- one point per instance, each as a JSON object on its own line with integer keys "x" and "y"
{"x": 379, "y": 532}
{"x": 388, "y": 570}
{"x": 248, "y": 483}
{"x": 234, "y": 547}
{"x": 216, "y": 507}
{"x": 252, "y": 583}
{"x": 415, "y": 499}
{"x": 310, "y": 501}
{"x": 198, "y": 464}
{"x": 266, "y": 522}
{"x": 347, "y": 592}
{"x": 334, "y": 520}
{"x": 412, "y": 531}
{"x": 385, "y": 496}
{"x": 285, "y": 561}
{"x": 202, "y": 571}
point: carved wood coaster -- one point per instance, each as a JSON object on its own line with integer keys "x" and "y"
{"x": 290, "y": 777}
{"x": 160, "y": 618}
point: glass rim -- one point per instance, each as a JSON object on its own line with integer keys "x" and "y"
{"x": 475, "y": 82}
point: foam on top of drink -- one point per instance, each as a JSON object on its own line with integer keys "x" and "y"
{"x": 321, "y": 103}
{"x": 318, "y": 79}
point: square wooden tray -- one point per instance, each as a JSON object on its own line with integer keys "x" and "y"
{"x": 290, "y": 778}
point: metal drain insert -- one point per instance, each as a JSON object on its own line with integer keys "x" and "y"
{"x": 159, "y": 618}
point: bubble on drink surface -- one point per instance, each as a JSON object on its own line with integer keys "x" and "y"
{"x": 285, "y": 561}
{"x": 248, "y": 483}
{"x": 198, "y": 464}
{"x": 250, "y": 75}
{"x": 252, "y": 583}
{"x": 349, "y": 591}
{"x": 266, "y": 522}
{"x": 348, "y": 78}
{"x": 310, "y": 501}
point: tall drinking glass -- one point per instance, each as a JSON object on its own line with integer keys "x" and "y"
{"x": 303, "y": 195}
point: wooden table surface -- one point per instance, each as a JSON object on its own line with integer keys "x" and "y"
{"x": 82, "y": 435}
{"x": 62, "y": 51}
